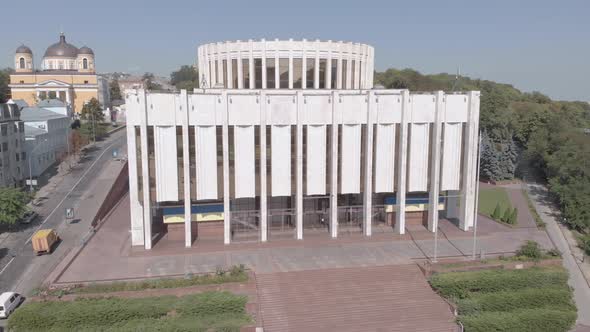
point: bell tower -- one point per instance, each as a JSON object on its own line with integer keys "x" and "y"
{"x": 23, "y": 60}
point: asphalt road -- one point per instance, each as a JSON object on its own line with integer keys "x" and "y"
{"x": 20, "y": 269}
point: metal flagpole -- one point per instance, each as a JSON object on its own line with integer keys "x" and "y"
{"x": 476, "y": 196}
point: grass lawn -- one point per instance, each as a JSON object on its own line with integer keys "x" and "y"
{"x": 209, "y": 311}
{"x": 534, "y": 299}
{"x": 489, "y": 197}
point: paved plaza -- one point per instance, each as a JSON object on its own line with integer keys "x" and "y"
{"x": 109, "y": 256}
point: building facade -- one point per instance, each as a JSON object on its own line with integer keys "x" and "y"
{"x": 46, "y": 138}
{"x": 301, "y": 151}
{"x": 12, "y": 155}
{"x": 67, "y": 73}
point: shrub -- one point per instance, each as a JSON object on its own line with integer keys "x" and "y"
{"x": 497, "y": 212}
{"x": 513, "y": 217}
{"x": 218, "y": 311}
{"x": 554, "y": 252}
{"x": 461, "y": 284}
{"x": 528, "y": 298}
{"x": 584, "y": 243}
{"x": 530, "y": 249}
{"x": 506, "y": 216}
{"x": 526, "y": 320}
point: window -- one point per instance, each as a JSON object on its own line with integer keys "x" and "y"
{"x": 5, "y": 146}
{"x": 323, "y": 72}
{"x": 234, "y": 73}
{"x": 85, "y": 82}
{"x": 22, "y": 82}
{"x": 353, "y": 74}
{"x": 310, "y": 74}
{"x": 21, "y": 63}
{"x": 334, "y": 73}
{"x": 270, "y": 73}
{"x": 258, "y": 73}
{"x": 85, "y": 63}
{"x": 23, "y": 156}
{"x": 297, "y": 73}
{"x": 344, "y": 69}
{"x": 4, "y": 130}
{"x": 246, "y": 73}
{"x": 60, "y": 65}
{"x": 225, "y": 84}
{"x": 284, "y": 73}
{"x": 17, "y": 156}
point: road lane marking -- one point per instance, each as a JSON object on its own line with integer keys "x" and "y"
{"x": 5, "y": 266}
{"x": 69, "y": 192}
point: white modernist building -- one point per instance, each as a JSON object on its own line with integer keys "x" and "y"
{"x": 296, "y": 143}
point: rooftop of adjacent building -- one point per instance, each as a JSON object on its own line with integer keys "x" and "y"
{"x": 31, "y": 131}
{"x": 35, "y": 113}
{"x": 51, "y": 103}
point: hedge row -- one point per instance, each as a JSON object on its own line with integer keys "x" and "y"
{"x": 557, "y": 298}
{"x": 99, "y": 314}
{"x": 460, "y": 285}
{"x": 526, "y": 320}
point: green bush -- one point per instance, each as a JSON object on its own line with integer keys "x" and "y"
{"x": 497, "y": 212}
{"x": 526, "y": 320}
{"x": 211, "y": 310}
{"x": 506, "y": 216}
{"x": 530, "y": 249}
{"x": 461, "y": 284}
{"x": 528, "y": 298}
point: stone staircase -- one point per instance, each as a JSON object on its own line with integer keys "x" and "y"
{"x": 385, "y": 298}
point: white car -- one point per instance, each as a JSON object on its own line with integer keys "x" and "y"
{"x": 9, "y": 301}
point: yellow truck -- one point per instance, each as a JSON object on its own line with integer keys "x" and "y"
{"x": 44, "y": 240}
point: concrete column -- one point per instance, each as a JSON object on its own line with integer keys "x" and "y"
{"x": 339, "y": 67}
{"x": 145, "y": 174}
{"x": 230, "y": 70}
{"x": 348, "y": 83}
{"x": 435, "y": 165}
{"x": 240, "y": 70}
{"x": 357, "y": 72}
{"x": 290, "y": 65}
{"x": 400, "y": 217}
{"x": 212, "y": 63}
{"x": 299, "y": 166}
{"x": 316, "y": 69}
{"x": 136, "y": 213}
{"x": 68, "y": 101}
{"x": 304, "y": 65}
{"x": 334, "y": 166}
{"x": 207, "y": 66}
{"x": 219, "y": 57}
{"x": 277, "y": 62}
{"x": 368, "y": 184}
{"x": 263, "y": 188}
{"x": 226, "y": 192}
{"x": 329, "y": 67}
{"x": 186, "y": 169}
{"x": 263, "y": 64}
{"x": 251, "y": 65}
{"x": 470, "y": 155}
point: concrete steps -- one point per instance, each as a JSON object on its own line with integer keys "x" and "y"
{"x": 388, "y": 298}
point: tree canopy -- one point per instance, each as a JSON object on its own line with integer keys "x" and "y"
{"x": 12, "y": 205}
{"x": 92, "y": 111}
{"x": 115, "y": 90}
{"x": 150, "y": 84}
{"x": 186, "y": 78}
{"x": 4, "y": 81}
{"x": 523, "y": 133}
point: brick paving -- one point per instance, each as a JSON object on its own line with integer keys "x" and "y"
{"x": 387, "y": 298}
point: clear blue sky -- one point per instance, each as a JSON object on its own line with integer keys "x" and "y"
{"x": 534, "y": 45}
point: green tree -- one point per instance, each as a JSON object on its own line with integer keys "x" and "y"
{"x": 186, "y": 78}
{"x": 150, "y": 83}
{"x": 92, "y": 111}
{"x": 12, "y": 205}
{"x": 497, "y": 212}
{"x": 115, "y": 90}
{"x": 4, "y": 81}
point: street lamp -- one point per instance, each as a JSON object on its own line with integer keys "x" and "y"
{"x": 30, "y": 171}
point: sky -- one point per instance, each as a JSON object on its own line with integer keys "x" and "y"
{"x": 534, "y": 45}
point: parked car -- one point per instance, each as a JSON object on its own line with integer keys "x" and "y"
{"x": 44, "y": 240}
{"x": 9, "y": 301}
{"x": 29, "y": 217}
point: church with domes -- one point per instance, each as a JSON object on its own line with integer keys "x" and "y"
{"x": 66, "y": 73}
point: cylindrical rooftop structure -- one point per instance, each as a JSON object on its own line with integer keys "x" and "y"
{"x": 286, "y": 64}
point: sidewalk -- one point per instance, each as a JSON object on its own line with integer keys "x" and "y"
{"x": 548, "y": 212}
